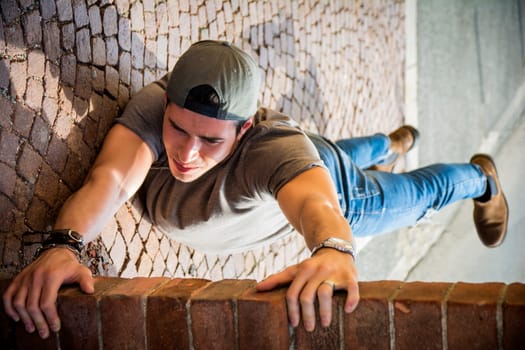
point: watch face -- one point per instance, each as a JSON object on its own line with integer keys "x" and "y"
{"x": 339, "y": 241}
{"x": 77, "y": 237}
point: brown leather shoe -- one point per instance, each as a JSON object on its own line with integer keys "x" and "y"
{"x": 402, "y": 140}
{"x": 492, "y": 214}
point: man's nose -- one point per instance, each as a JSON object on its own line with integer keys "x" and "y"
{"x": 189, "y": 150}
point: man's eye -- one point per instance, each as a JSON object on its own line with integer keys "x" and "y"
{"x": 213, "y": 142}
{"x": 177, "y": 129}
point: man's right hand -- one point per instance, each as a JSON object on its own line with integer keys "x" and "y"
{"x": 31, "y": 296}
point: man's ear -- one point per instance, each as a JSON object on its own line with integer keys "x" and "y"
{"x": 245, "y": 127}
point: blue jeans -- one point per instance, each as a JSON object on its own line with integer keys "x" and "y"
{"x": 375, "y": 202}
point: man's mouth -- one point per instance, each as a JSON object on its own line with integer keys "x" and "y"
{"x": 183, "y": 168}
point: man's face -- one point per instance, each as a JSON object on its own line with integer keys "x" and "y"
{"x": 196, "y": 143}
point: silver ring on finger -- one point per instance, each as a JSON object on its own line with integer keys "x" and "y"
{"x": 330, "y": 283}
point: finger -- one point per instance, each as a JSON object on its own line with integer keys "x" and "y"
{"x": 86, "y": 282}
{"x": 8, "y": 300}
{"x": 19, "y": 303}
{"x": 352, "y": 298}
{"x": 279, "y": 279}
{"x": 48, "y": 304}
{"x": 324, "y": 295}
{"x": 307, "y": 300}
{"x": 292, "y": 298}
{"x": 33, "y": 307}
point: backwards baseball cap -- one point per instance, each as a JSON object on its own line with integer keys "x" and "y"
{"x": 231, "y": 73}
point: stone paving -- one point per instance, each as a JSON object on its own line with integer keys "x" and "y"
{"x": 68, "y": 67}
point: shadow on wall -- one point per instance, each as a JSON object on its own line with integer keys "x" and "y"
{"x": 69, "y": 67}
{"x": 60, "y": 90}
{"x": 56, "y": 109}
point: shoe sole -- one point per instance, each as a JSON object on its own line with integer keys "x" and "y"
{"x": 489, "y": 158}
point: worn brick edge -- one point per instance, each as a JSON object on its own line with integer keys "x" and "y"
{"x": 153, "y": 313}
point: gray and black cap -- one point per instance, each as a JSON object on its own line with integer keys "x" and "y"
{"x": 232, "y": 74}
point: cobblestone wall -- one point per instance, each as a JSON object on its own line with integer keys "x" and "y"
{"x": 68, "y": 67}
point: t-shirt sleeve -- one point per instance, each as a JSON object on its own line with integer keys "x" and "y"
{"x": 144, "y": 115}
{"x": 277, "y": 156}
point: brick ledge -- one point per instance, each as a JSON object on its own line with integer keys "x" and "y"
{"x": 160, "y": 313}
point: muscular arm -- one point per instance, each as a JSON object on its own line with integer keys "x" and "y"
{"x": 310, "y": 203}
{"x": 117, "y": 173}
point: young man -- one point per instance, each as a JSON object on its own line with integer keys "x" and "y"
{"x": 222, "y": 176}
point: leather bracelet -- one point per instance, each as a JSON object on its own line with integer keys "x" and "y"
{"x": 62, "y": 238}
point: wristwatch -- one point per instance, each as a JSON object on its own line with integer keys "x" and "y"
{"x": 336, "y": 243}
{"x": 62, "y": 239}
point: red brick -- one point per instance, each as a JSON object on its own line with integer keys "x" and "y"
{"x": 321, "y": 337}
{"x": 417, "y": 315}
{"x": 79, "y": 316}
{"x": 368, "y": 327}
{"x": 514, "y": 317}
{"x": 170, "y": 329}
{"x": 212, "y": 314}
{"x": 263, "y": 321}
{"x": 28, "y": 341}
{"x": 471, "y": 316}
{"x": 122, "y": 313}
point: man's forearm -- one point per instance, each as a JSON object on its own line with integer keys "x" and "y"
{"x": 88, "y": 210}
{"x": 320, "y": 221}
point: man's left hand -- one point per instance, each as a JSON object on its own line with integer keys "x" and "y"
{"x": 319, "y": 276}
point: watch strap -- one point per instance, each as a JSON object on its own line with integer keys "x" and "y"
{"x": 62, "y": 239}
{"x": 336, "y": 243}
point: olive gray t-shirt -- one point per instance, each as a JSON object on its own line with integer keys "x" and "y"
{"x": 233, "y": 206}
